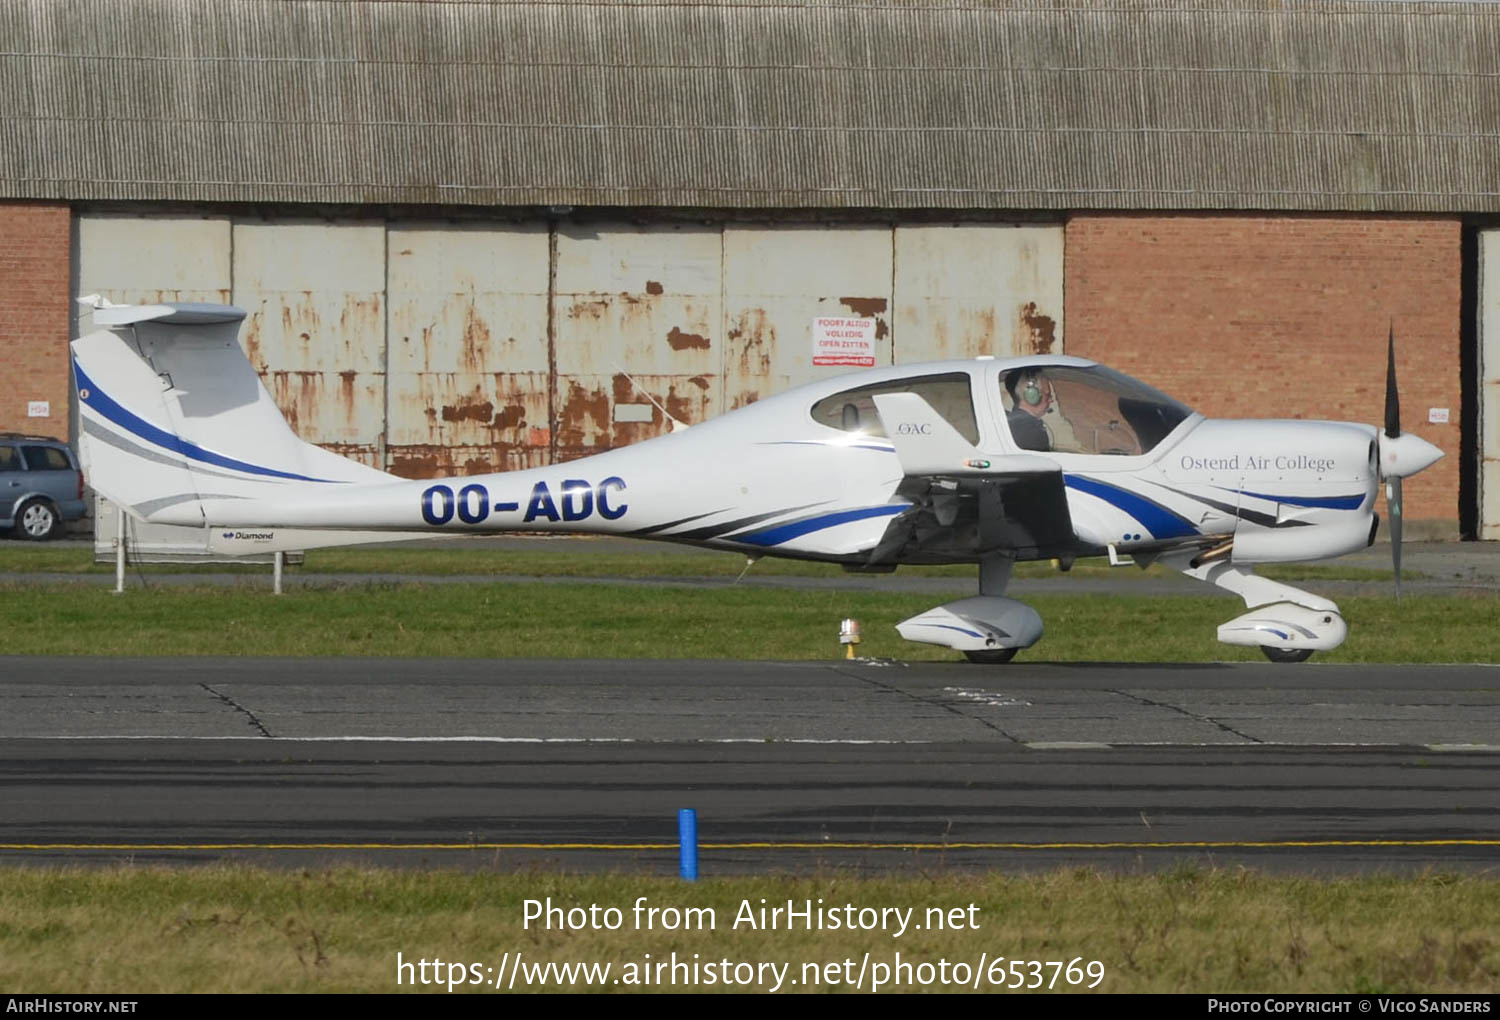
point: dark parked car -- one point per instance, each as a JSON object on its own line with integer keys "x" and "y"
{"x": 40, "y": 486}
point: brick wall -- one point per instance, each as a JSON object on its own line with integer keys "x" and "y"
{"x": 1253, "y": 316}
{"x": 35, "y": 276}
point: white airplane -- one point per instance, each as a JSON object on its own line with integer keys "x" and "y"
{"x": 988, "y": 461}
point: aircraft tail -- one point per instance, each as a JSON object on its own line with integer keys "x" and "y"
{"x": 172, "y": 414}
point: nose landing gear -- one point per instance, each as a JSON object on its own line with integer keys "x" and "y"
{"x": 1287, "y": 624}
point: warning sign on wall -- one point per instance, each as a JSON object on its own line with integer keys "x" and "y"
{"x": 839, "y": 341}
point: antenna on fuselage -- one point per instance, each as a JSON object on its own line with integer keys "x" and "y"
{"x": 672, "y": 423}
{"x": 750, "y": 561}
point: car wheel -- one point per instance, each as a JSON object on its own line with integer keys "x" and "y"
{"x": 1287, "y": 654}
{"x": 991, "y": 656}
{"x": 38, "y": 521}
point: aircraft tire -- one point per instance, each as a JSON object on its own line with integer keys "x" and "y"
{"x": 1287, "y": 654}
{"x": 991, "y": 656}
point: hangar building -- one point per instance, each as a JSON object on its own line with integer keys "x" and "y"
{"x": 487, "y": 234}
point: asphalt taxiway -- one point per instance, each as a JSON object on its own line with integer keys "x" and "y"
{"x": 791, "y": 766}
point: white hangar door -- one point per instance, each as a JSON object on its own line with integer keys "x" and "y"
{"x": 1489, "y": 384}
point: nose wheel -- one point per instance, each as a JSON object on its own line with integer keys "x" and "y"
{"x": 1287, "y": 654}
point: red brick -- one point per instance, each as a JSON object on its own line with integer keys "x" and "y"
{"x": 35, "y": 277}
{"x": 1254, "y": 316}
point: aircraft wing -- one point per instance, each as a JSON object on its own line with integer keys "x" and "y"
{"x": 964, "y": 501}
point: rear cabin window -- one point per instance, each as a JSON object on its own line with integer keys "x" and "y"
{"x": 854, "y": 410}
{"x": 10, "y": 459}
{"x": 46, "y": 458}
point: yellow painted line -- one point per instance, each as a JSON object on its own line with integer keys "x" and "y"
{"x": 337, "y": 846}
{"x": 830, "y": 845}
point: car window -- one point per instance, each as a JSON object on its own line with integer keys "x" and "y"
{"x": 854, "y": 410}
{"x": 46, "y": 458}
{"x": 10, "y": 459}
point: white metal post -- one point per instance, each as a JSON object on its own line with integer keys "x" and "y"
{"x": 119, "y": 550}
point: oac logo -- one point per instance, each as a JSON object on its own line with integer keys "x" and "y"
{"x": 912, "y": 428}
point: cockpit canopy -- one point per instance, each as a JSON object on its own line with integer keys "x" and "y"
{"x": 1090, "y": 410}
{"x": 1056, "y": 408}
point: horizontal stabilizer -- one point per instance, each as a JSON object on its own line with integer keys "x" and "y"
{"x": 107, "y": 313}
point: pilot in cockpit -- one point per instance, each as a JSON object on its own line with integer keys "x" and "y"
{"x": 1030, "y": 396}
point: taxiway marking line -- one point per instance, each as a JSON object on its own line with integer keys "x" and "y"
{"x": 1034, "y": 745}
{"x": 781, "y": 845}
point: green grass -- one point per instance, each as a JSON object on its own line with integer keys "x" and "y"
{"x": 142, "y": 930}
{"x": 577, "y": 620}
{"x": 478, "y": 558}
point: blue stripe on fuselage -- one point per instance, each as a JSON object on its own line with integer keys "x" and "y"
{"x": 1156, "y": 519}
{"x": 1325, "y": 502}
{"x": 796, "y": 529}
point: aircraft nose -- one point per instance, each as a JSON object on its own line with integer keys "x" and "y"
{"x": 1405, "y": 455}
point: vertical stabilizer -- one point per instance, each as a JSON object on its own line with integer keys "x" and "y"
{"x": 171, "y": 413}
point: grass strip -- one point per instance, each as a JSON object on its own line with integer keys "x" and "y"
{"x": 478, "y": 558}
{"x": 127, "y": 929}
{"x": 576, "y": 620}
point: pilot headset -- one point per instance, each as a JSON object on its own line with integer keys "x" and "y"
{"x": 1032, "y": 391}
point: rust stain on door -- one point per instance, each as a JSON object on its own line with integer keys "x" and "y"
{"x": 869, "y": 308}
{"x": 473, "y": 408}
{"x": 1040, "y": 330}
{"x": 680, "y": 341}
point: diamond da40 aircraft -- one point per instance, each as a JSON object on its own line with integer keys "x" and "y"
{"x": 986, "y": 461}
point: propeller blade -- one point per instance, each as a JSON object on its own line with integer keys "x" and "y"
{"x": 1393, "y": 513}
{"x": 1392, "y": 400}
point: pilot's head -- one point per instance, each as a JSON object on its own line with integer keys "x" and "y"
{"x": 1029, "y": 390}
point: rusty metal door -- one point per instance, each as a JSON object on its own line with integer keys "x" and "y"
{"x": 777, "y": 280}
{"x": 315, "y": 294}
{"x": 468, "y": 364}
{"x": 429, "y": 348}
{"x": 967, "y": 289}
{"x": 638, "y": 315}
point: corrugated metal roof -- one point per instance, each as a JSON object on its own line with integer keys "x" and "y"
{"x": 735, "y": 103}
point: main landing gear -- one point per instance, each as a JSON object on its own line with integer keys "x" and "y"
{"x": 988, "y": 628}
{"x": 993, "y": 657}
